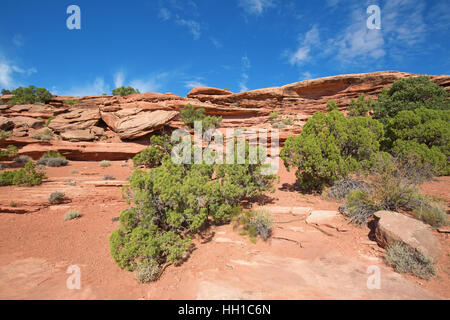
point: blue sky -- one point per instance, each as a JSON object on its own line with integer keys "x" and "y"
{"x": 174, "y": 45}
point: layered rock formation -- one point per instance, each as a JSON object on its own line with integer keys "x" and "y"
{"x": 116, "y": 119}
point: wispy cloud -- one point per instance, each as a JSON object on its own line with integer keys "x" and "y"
{"x": 119, "y": 79}
{"x": 193, "y": 84}
{"x": 18, "y": 40}
{"x": 98, "y": 86}
{"x": 311, "y": 39}
{"x": 175, "y": 13}
{"x": 193, "y": 27}
{"x": 255, "y": 7}
{"x": 164, "y": 14}
{"x": 7, "y": 71}
{"x": 246, "y": 65}
{"x": 216, "y": 43}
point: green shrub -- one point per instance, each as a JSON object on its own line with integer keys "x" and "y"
{"x": 330, "y": 147}
{"x": 424, "y": 132}
{"x": 410, "y": 94}
{"x": 273, "y": 115}
{"x": 173, "y": 202}
{"x": 405, "y": 259}
{"x": 332, "y": 105}
{"x": 150, "y": 157}
{"x": 147, "y": 271}
{"x": 189, "y": 115}
{"x": 52, "y": 154}
{"x": 72, "y": 214}
{"x": 30, "y": 95}
{"x": 360, "y": 107}
{"x": 57, "y": 197}
{"x": 5, "y": 92}
{"x": 9, "y": 152}
{"x": 27, "y": 176}
{"x": 105, "y": 163}
{"x": 433, "y": 158}
{"x": 71, "y": 102}
{"x": 433, "y": 215}
{"x": 12, "y": 204}
{"x": 108, "y": 177}
{"x": 46, "y": 135}
{"x": 4, "y": 135}
{"x": 124, "y": 91}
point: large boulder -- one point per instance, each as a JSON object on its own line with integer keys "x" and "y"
{"x": 77, "y": 119}
{"x": 28, "y": 121}
{"x": 395, "y": 227}
{"x": 131, "y": 124}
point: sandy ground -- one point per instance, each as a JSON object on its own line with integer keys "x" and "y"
{"x": 299, "y": 262}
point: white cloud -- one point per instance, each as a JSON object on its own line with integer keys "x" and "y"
{"x": 18, "y": 40}
{"x": 7, "y": 71}
{"x": 193, "y": 84}
{"x": 311, "y": 39}
{"x": 164, "y": 14}
{"x": 119, "y": 79}
{"x": 255, "y": 7}
{"x": 216, "y": 43}
{"x": 306, "y": 75}
{"x": 98, "y": 86}
{"x": 193, "y": 27}
{"x": 246, "y": 65}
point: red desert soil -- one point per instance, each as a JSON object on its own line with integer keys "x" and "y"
{"x": 36, "y": 249}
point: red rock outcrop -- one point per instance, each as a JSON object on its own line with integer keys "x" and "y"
{"x": 116, "y": 118}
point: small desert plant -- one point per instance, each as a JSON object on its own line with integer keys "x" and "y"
{"x": 108, "y": 177}
{"x": 273, "y": 115}
{"x": 341, "y": 188}
{"x": 12, "y": 204}
{"x": 23, "y": 159}
{"x": 52, "y": 162}
{"x": 190, "y": 115}
{"x": 46, "y": 135}
{"x": 57, "y": 197}
{"x": 287, "y": 121}
{"x": 405, "y": 259}
{"x": 105, "y": 164}
{"x": 4, "y": 134}
{"x": 254, "y": 223}
{"x": 72, "y": 214}
{"x": 278, "y": 125}
{"x": 147, "y": 271}
{"x": 73, "y": 171}
{"x": 47, "y": 123}
{"x": 262, "y": 221}
{"x": 392, "y": 185}
{"x": 71, "y": 102}
{"x": 433, "y": 215}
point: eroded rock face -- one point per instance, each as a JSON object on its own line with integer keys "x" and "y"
{"x": 395, "y": 227}
{"x": 131, "y": 124}
{"x": 77, "y": 119}
{"x": 137, "y": 115}
{"x": 6, "y": 124}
